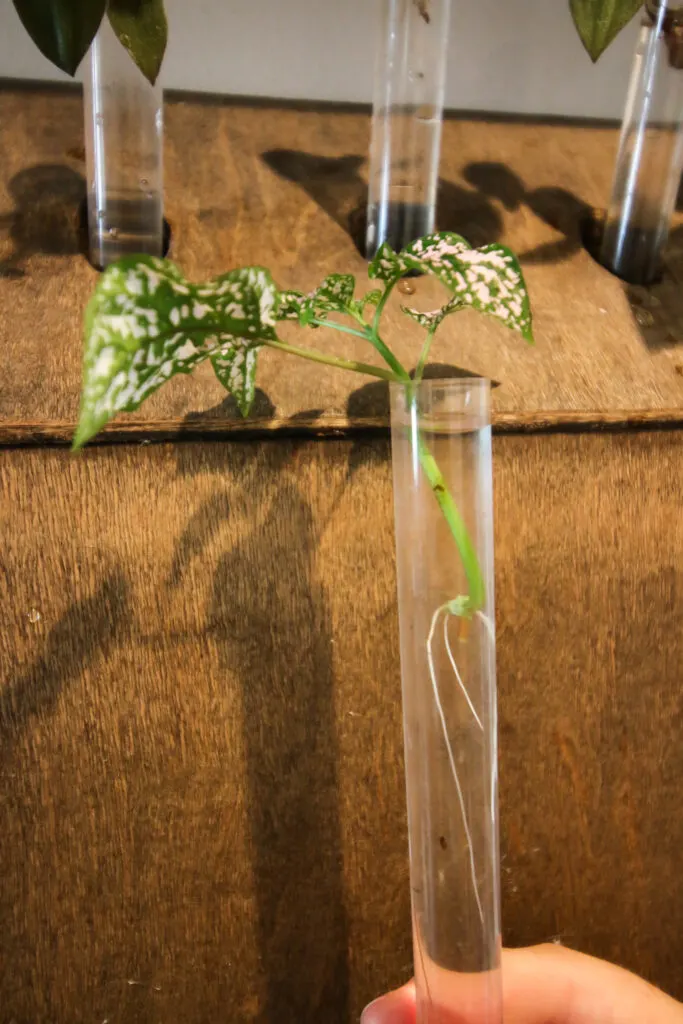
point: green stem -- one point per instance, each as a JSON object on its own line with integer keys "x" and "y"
{"x": 400, "y": 373}
{"x": 388, "y": 289}
{"x": 341, "y": 364}
{"x": 476, "y": 598}
{"x": 475, "y": 580}
{"x": 370, "y": 334}
{"x": 424, "y": 355}
{"x": 340, "y": 327}
{"x": 375, "y": 340}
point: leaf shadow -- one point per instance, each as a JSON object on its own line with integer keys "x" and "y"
{"x": 271, "y": 621}
{"x": 84, "y": 632}
{"x": 338, "y": 188}
{"x": 46, "y": 215}
{"x": 198, "y": 533}
{"x": 657, "y": 309}
{"x": 228, "y": 409}
{"x": 557, "y": 207}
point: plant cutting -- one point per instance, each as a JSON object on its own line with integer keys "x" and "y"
{"x": 146, "y": 323}
{"x": 123, "y": 106}
{"x": 650, "y": 157}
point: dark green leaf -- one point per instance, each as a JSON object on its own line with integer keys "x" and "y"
{"x": 62, "y": 29}
{"x": 489, "y": 280}
{"x": 146, "y": 323}
{"x": 599, "y": 22}
{"x": 142, "y": 28}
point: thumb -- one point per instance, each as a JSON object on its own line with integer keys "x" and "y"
{"x": 552, "y": 985}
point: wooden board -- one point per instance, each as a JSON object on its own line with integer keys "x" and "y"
{"x": 280, "y": 185}
{"x": 201, "y": 793}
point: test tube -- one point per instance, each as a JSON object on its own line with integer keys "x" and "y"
{"x": 124, "y": 154}
{"x": 650, "y": 157}
{"x": 448, "y": 669}
{"x": 407, "y": 121}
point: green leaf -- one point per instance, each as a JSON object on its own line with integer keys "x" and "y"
{"x": 290, "y": 305}
{"x": 489, "y": 280}
{"x": 335, "y": 295}
{"x": 357, "y": 306}
{"x": 141, "y": 27}
{"x": 386, "y": 266}
{"x": 235, "y": 367}
{"x": 146, "y": 323}
{"x": 62, "y": 29}
{"x": 599, "y": 22}
{"x": 372, "y": 298}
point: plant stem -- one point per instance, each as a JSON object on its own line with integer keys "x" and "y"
{"x": 475, "y": 580}
{"x": 375, "y": 340}
{"x": 396, "y": 372}
{"x": 341, "y": 327}
{"x": 422, "y": 362}
{"x": 389, "y": 358}
{"x": 370, "y": 334}
{"x": 476, "y": 598}
{"x": 341, "y": 364}
{"x": 381, "y": 304}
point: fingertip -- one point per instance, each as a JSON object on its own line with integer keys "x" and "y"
{"x": 395, "y": 1008}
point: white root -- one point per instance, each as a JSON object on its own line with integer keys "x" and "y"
{"x": 449, "y": 748}
{"x": 457, "y": 674}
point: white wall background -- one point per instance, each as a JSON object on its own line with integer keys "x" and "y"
{"x": 515, "y": 56}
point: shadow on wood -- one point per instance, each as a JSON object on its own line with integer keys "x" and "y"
{"x": 45, "y": 219}
{"x": 272, "y": 614}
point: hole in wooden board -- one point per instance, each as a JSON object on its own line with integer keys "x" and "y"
{"x": 84, "y": 241}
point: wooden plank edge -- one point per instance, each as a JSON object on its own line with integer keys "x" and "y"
{"x": 199, "y": 98}
{"x": 143, "y": 432}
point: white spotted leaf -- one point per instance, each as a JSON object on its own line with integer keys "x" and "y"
{"x": 146, "y": 323}
{"x": 431, "y": 321}
{"x": 489, "y": 280}
{"x": 386, "y": 266}
{"x": 235, "y": 367}
{"x": 290, "y": 305}
{"x": 335, "y": 295}
{"x": 358, "y": 306}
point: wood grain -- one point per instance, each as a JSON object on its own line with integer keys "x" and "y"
{"x": 201, "y": 793}
{"x": 129, "y": 431}
{"x": 281, "y": 185}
